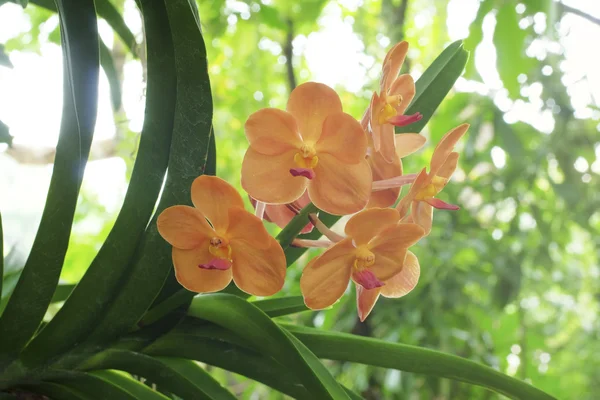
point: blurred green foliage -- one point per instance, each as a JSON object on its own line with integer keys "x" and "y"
{"x": 511, "y": 280}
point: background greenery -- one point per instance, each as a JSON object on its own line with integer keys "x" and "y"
{"x": 511, "y": 280}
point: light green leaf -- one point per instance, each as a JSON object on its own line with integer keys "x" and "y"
{"x": 133, "y": 386}
{"x": 24, "y": 312}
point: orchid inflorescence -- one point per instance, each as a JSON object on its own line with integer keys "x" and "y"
{"x": 314, "y": 152}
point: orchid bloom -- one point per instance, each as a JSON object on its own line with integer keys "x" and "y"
{"x": 217, "y": 240}
{"x": 373, "y": 252}
{"x": 397, "y": 286}
{"x": 387, "y": 108}
{"x": 312, "y": 146}
{"x": 282, "y": 214}
{"x": 421, "y": 198}
{"x": 406, "y": 144}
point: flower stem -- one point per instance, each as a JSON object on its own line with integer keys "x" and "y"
{"x": 260, "y": 209}
{"x": 394, "y": 182}
{"x": 321, "y": 227}
{"x": 311, "y": 243}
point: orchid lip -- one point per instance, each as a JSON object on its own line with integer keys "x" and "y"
{"x": 216, "y": 263}
{"x": 441, "y": 205}
{"x": 367, "y": 279}
{"x": 305, "y": 172}
{"x": 403, "y": 120}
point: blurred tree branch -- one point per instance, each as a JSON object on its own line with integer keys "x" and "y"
{"x": 288, "y": 52}
{"x": 579, "y": 13}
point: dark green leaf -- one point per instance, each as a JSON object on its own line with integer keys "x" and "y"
{"x": 435, "y": 83}
{"x": 294, "y": 227}
{"x": 56, "y": 391}
{"x": 97, "y": 289}
{"x": 1, "y": 257}
{"x": 95, "y": 387}
{"x": 248, "y": 322}
{"x": 133, "y": 386}
{"x": 24, "y": 312}
{"x": 62, "y": 292}
{"x": 181, "y": 377}
{"x": 281, "y": 306}
{"x": 108, "y": 65}
{"x": 345, "y": 347}
{"x": 188, "y": 158}
{"x": 107, "y": 11}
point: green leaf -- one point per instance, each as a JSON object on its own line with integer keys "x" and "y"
{"x": 254, "y": 326}
{"x": 476, "y": 34}
{"x": 108, "y": 65}
{"x": 4, "y": 60}
{"x": 345, "y": 347}
{"x": 95, "y": 387}
{"x": 435, "y": 83}
{"x": 5, "y": 137}
{"x": 270, "y": 16}
{"x": 133, "y": 386}
{"x": 188, "y": 159}
{"x": 24, "y": 312}
{"x": 99, "y": 286}
{"x": 62, "y": 292}
{"x": 107, "y": 11}
{"x": 281, "y": 306}
{"x": 509, "y": 40}
{"x": 294, "y": 253}
{"x": 181, "y": 377}
{"x": 56, "y": 391}
{"x": 294, "y": 227}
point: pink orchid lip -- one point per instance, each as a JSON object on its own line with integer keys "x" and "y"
{"x": 441, "y": 205}
{"x": 216, "y": 263}
{"x": 305, "y": 172}
{"x": 367, "y": 279}
{"x": 403, "y": 120}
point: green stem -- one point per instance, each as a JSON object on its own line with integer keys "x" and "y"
{"x": 294, "y": 227}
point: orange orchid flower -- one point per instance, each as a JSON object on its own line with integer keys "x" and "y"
{"x": 406, "y": 144}
{"x": 281, "y": 214}
{"x": 397, "y": 286}
{"x": 312, "y": 146}
{"x": 373, "y": 252}
{"x": 218, "y": 240}
{"x": 421, "y": 198}
{"x": 387, "y": 108}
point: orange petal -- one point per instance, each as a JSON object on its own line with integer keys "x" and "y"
{"x": 248, "y": 228}
{"x": 389, "y": 248}
{"x": 392, "y": 63}
{"x": 374, "y": 108}
{"x": 422, "y": 215}
{"x": 367, "y": 224}
{"x": 343, "y": 138}
{"x": 268, "y": 178}
{"x": 339, "y": 188}
{"x": 326, "y": 277}
{"x": 255, "y": 271}
{"x": 194, "y": 278}
{"x": 214, "y": 197}
{"x": 408, "y": 143}
{"x": 404, "y": 86}
{"x": 388, "y": 143}
{"x": 381, "y": 170}
{"x": 365, "y": 300}
{"x": 420, "y": 182}
{"x": 310, "y": 103}
{"x": 448, "y": 168}
{"x": 183, "y": 227}
{"x": 404, "y": 282}
{"x": 445, "y": 147}
{"x": 272, "y": 131}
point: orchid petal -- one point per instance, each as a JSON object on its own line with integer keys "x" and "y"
{"x": 405, "y": 120}
{"x": 326, "y": 277}
{"x": 367, "y": 224}
{"x": 389, "y": 248}
{"x": 281, "y": 215}
{"x": 404, "y": 86}
{"x": 214, "y": 197}
{"x": 392, "y": 64}
{"x": 184, "y": 227}
{"x": 248, "y": 228}
{"x": 408, "y": 143}
{"x": 374, "y": 108}
{"x": 260, "y": 272}
{"x": 405, "y": 281}
{"x": 365, "y": 300}
{"x": 194, "y": 278}
{"x": 449, "y": 166}
{"x": 445, "y": 147}
{"x": 339, "y": 188}
{"x": 388, "y": 144}
{"x": 310, "y": 103}
{"x": 268, "y": 178}
{"x": 343, "y": 138}
{"x": 382, "y": 170}
{"x": 422, "y": 214}
{"x": 420, "y": 182}
{"x": 271, "y": 131}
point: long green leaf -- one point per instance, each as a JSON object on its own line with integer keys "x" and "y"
{"x": 345, "y": 347}
{"x": 188, "y": 158}
{"x": 95, "y": 387}
{"x": 135, "y": 387}
{"x": 108, "y": 65}
{"x": 281, "y": 306}
{"x": 62, "y": 292}
{"x": 181, "y": 377}
{"x": 435, "y": 83}
{"x": 100, "y": 284}
{"x": 256, "y": 327}
{"x": 56, "y": 391}
{"x": 35, "y": 288}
